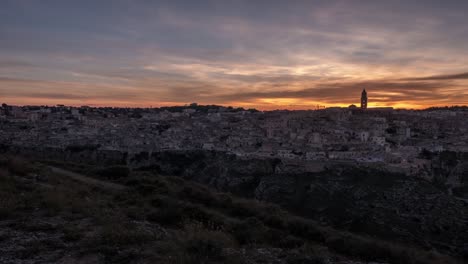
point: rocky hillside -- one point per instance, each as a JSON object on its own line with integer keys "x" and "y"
{"x": 359, "y": 199}
{"x": 54, "y": 215}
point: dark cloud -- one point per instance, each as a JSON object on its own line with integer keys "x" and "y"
{"x": 8, "y": 64}
{"x": 13, "y": 80}
{"x": 460, "y": 76}
{"x": 59, "y": 96}
{"x": 28, "y": 88}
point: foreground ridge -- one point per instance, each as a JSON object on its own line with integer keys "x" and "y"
{"x": 164, "y": 219}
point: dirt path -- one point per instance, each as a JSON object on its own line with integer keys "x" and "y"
{"x": 86, "y": 179}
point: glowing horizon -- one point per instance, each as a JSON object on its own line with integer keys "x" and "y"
{"x": 268, "y": 55}
{"x": 273, "y": 107}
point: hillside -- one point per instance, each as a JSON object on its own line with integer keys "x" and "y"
{"x": 51, "y": 215}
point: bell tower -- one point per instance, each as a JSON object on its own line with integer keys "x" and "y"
{"x": 364, "y": 99}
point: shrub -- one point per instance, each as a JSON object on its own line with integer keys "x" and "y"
{"x": 199, "y": 214}
{"x": 305, "y": 229}
{"x": 19, "y": 166}
{"x": 135, "y": 213}
{"x": 62, "y": 200}
{"x": 223, "y": 200}
{"x": 9, "y": 199}
{"x": 198, "y": 194}
{"x": 71, "y": 233}
{"x": 4, "y": 174}
{"x": 118, "y": 232}
{"x": 248, "y": 231}
{"x": 301, "y": 259}
{"x": 272, "y": 219}
{"x": 203, "y": 247}
{"x": 113, "y": 172}
{"x": 281, "y": 239}
{"x": 31, "y": 248}
{"x": 167, "y": 215}
{"x": 145, "y": 189}
{"x": 375, "y": 250}
{"x": 80, "y": 148}
{"x": 8, "y": 205}
{"x": 201, "y": 244}
{"x": 242, "y": 209}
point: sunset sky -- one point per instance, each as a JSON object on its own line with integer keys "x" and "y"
{"x": 264, "y": 54}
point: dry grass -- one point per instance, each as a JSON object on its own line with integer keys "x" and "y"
{"x": 202, "y": 223}
{"x": 19, "y": 166}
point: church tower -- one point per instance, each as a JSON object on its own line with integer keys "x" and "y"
{"x": 364, "y": 99}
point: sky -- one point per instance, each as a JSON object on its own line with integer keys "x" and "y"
{"x": 246, "y": 53}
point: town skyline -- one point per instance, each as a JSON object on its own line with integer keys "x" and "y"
{"x": 364, "y": 101}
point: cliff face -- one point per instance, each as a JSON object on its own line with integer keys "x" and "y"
{"x": 358, "y": 199}
{"x": 224, "y": 172}
{"x": 363, "y": 200}
{"x": 76, "y": 154}
{"x": 450, "y": 169}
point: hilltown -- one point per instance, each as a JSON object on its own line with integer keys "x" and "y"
{"x": 380, "y": 136}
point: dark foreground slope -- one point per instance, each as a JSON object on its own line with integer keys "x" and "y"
{"x": 365, "y": 200}
{"x": 429, "y": 209}
{"x": 52, "y": 216}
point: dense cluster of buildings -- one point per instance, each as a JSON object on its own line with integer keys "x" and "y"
{"x": 367, "y": 135}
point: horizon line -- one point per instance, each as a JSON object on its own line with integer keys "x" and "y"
{"x": 317, "y": 107}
